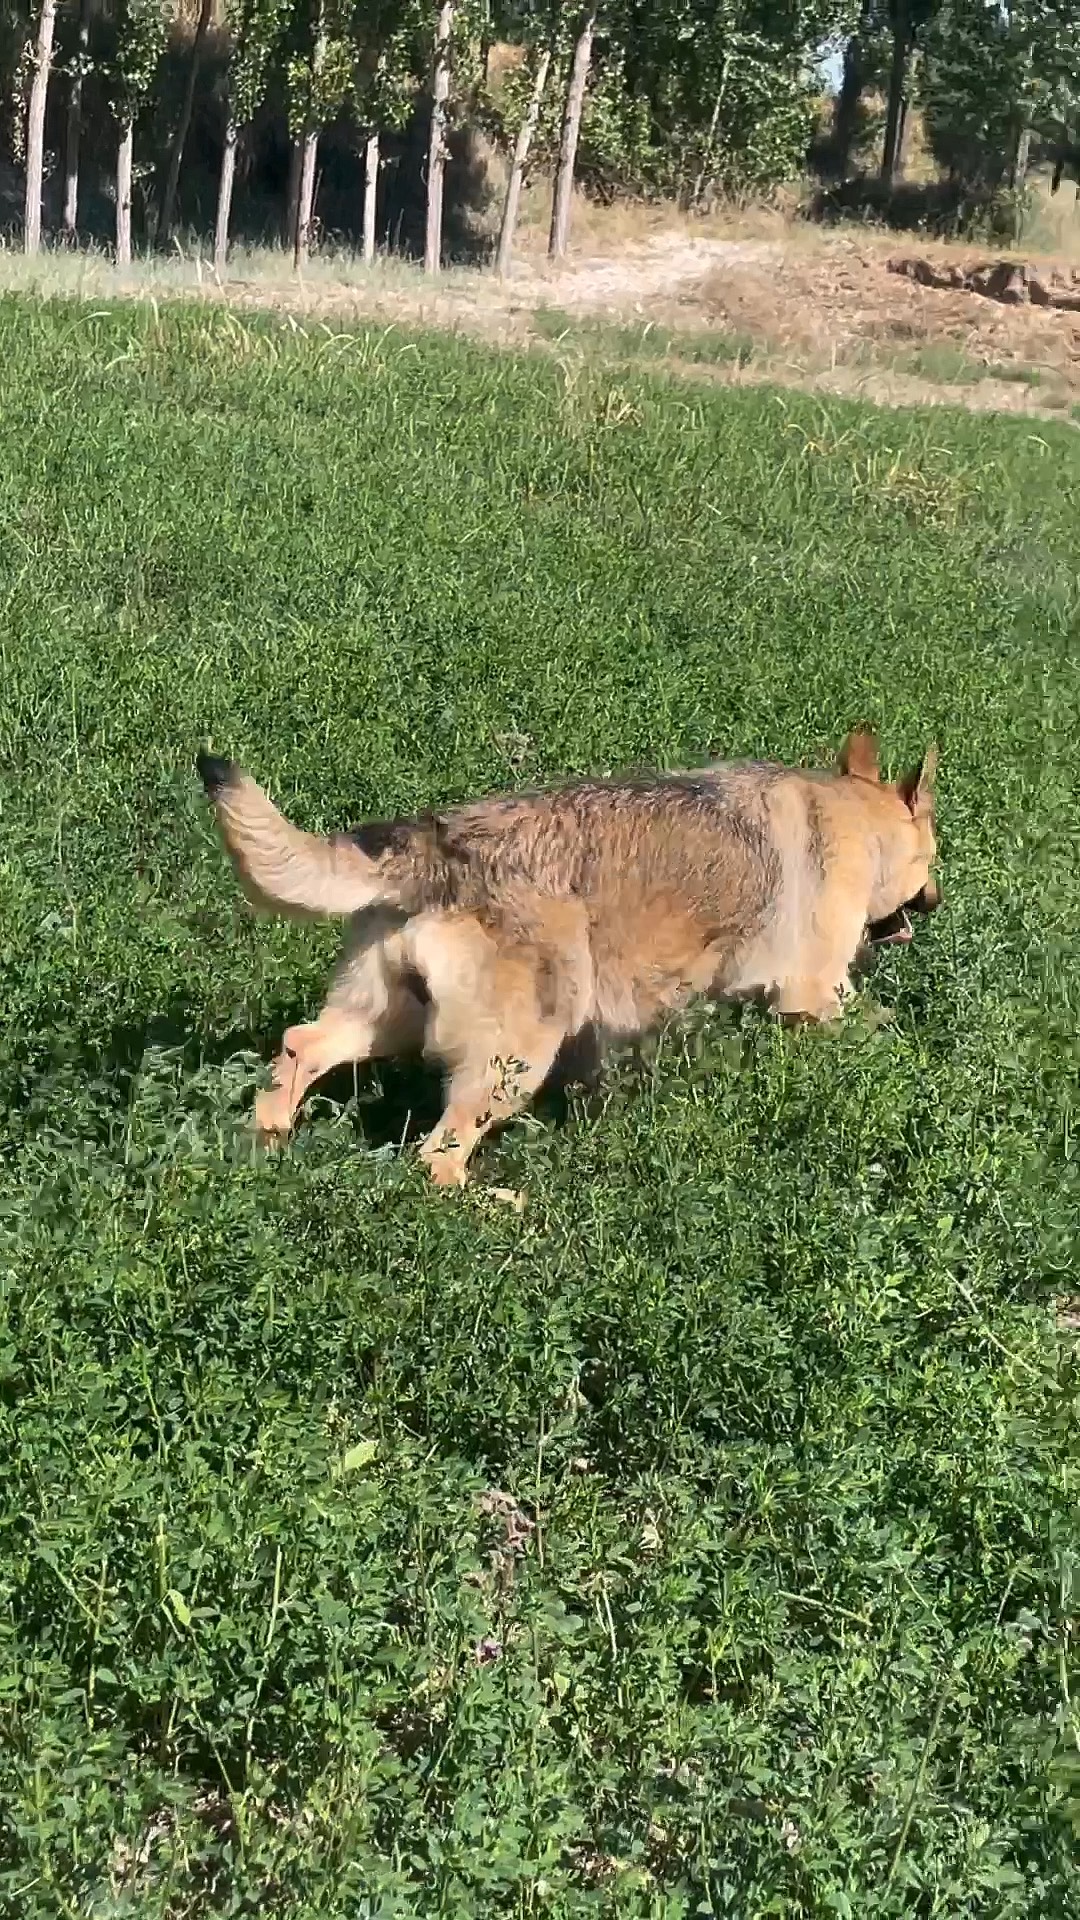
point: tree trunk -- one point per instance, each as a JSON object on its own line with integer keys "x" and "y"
{"x": 124, "y": 155}
{"x": 183, "y": 125}
{"x": 440, "y": 93}
{"x": 306, "y": 202}
{"x": 292, "y": 190}
{"x": 517, "y": 169}
{"x": 571, "y": 128}
{"x": 848, "y": 102}
{"x": 73, "y": 129}
{"x": 224, "y": 201}
{"x": 705, "y": 171}
{"x": 1018, "y": 173}
{"x": 371, "y": 188}
{"x": 307, "y": 146}
{"x": 900, "y": 157}
{"x": 894, "y": 118}
{"x": 35, "y": 132}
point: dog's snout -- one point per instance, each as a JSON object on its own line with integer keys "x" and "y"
{"x": 928, "y": 898}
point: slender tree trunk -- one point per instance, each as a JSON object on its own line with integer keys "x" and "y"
{"x": 440, "y": 93}
{"x": 306, "y": 203}
{"x": 124, "y": 156}
{"x": 517, "y": 169}
{"x": 73, "y": 129}
{"x": 1018, "y": 172}
{"x": 183, "y": 125}
{"x": 848, "y": 102}
{"x": 224, "y": 199}
{"x": 571, "y": 128}
{"x": 705, "y": 171}
{"x": 35, "y": 132}
{"x": 292, "y": 190}
{"x": 371, "y": 188}
{"x": 894, "y": 118}
{"x": 900, "y": 160}
{"x": 308, "y": 143}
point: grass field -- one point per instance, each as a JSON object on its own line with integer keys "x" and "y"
{"x": 703, "y": 1541}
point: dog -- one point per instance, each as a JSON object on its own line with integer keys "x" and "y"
{"x": 494, "y": 935}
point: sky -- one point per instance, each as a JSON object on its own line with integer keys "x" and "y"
{"x": 832, "y": 63}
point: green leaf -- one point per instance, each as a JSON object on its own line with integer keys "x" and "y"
{"x": 179, "y": 1606}
{"x": 359, "y": 1456}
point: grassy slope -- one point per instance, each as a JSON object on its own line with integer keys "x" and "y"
{"x": 770, "y": 1360}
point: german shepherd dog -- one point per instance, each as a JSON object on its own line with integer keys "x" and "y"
{"x": 493, "y": 934}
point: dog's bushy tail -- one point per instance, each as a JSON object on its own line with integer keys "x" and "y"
{"x": 280, "y": 868}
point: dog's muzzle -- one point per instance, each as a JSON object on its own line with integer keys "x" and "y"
{"x": 896, "y": 928}
{"x": 927, "y": 900}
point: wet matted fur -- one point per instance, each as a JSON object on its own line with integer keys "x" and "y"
{"x": 493, "y": 935}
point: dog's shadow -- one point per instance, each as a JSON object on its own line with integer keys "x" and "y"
{"x": 396, "y": 1101}
{"x": 401, "y": 1100}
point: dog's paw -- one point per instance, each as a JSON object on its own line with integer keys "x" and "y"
{"x": 445, "y": 1166}
{"x": 504, "y": 1196}
{"x": 271, "y": 1120}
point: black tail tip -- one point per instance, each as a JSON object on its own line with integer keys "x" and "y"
{"x": 215, "y": 774}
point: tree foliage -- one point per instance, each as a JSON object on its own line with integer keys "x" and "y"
{"x": 141, "y": 27}
{"x": 992, "y": 74}
{"x": 711, "y": 90}
{"x": 255, "y": 28}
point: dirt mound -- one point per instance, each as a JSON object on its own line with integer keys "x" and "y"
{"x": 1012, "y": 282}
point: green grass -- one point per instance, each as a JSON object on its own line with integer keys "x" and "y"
{"x": 950, "y": 365}
{"x": 704, "y": 1541}
{"x": 644, "y": 340}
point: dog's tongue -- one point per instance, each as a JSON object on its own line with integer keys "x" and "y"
{"x": 892, "y": 932}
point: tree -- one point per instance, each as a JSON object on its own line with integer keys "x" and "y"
{"x": 140, "y": 40}
{"x": 692, "y": 95}
{"x": 320, "y": 76}
{"x": 571, "y": 131}
{"x": 855, "y": 76}
{"x": 386, "y": 34}
{"x": 307, "y": 139}
{"x": 78, "y": 65}
{"x": 992, "y": 81}
{"x": 35, "y": 132}
{"x": 436, "y": 167}
{"x": 179, "y": 139}
{"x": 526, "y": 131}
{"x": 255, "y": 29}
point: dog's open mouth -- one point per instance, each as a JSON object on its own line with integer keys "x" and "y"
{"x": 894, "y": 931}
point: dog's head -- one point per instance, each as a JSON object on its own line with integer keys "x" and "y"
{"x": 907, "y": 839}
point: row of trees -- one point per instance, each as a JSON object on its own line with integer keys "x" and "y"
{"x": 664, "y": 97}
{"x": 678, "y": 95}
{"x": 996, "y": 80}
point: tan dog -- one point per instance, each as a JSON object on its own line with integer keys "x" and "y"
{"x": 490, "y": 934}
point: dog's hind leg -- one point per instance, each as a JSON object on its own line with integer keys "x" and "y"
{"x": 375, "y": 1010}
{"x": 486, "y": 1089}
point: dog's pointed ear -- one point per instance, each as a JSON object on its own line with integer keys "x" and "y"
{"x": 858, "y": 755}
{"x": 916, "y": 788}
